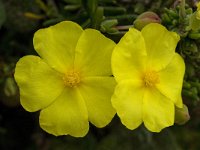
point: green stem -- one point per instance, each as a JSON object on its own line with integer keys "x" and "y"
{"x": 182, "y": 9}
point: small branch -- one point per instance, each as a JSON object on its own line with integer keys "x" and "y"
{"x": 182, "y": 9}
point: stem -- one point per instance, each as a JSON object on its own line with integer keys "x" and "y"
{"x": 124, "y": 27}
{"x": 182, "y": 19}
{"x": 182, "y": 9}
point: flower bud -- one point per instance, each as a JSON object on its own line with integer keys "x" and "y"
{"x": 194, "y": 19}
{"x": 146, "y": 18}
{"x": 198, "y": 15}
{"x": 198, "y": 11}
{"x": 181, "y": 115}
{"x": 9, "y": 93}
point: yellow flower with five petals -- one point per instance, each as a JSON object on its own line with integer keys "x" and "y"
{"x": 149, "y": 75}
{"x": 71, "y": 83}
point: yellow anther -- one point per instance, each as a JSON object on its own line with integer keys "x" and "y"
{"x": 71, "y": 78}
{"x": 150, "y": 78}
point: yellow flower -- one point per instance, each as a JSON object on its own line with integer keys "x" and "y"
{"x": 149, "y": 75}
{"x": 71, "y": 83}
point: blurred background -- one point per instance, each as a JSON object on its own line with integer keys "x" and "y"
{"x": 19, "y": 19}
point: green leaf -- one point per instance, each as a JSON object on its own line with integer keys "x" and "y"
{"x": 95, "y": 13}
{"x": 2, "y": 14}
{"x": 107, "y": 26}
{"x": 194, "y": 23}
{"x": 91, "y": 6}
{"x": 97, "y": 17}
{"x": 73, "y": 1}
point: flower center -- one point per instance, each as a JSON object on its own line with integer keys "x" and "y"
{"x": 71, "y": 78}
{"x": 150, "y": 78}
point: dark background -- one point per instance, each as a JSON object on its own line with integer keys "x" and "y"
{"x": 19, "y": 19}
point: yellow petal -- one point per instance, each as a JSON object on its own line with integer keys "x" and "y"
{"x": 97, "y": 92}
{"x": 127, "y": 100}
{"x": 158, "y": 110}
{"x": 39, "y": 84}
{"x": 129, "y": 56}
{"x": 56, "y": 44}
{"x": 160, "y": 45}
{"x": 171, "y": 79}
{"x": 67, "y": 115}
{"x": 93, "y": 53}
